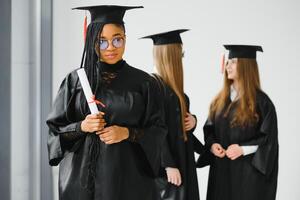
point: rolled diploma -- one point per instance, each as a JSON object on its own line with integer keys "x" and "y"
{"x": 87, "y": 91}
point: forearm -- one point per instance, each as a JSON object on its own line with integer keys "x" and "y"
{"x": 68, "y": 132}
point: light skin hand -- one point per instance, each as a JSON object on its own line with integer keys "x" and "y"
{"x": 218, "y": 150}
{"x": 234, "y": 151}
{"x": 174, "y": 176}
{"x": 189, "y": 122}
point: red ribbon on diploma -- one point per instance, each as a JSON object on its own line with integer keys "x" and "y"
{"x": 94, "y": 100}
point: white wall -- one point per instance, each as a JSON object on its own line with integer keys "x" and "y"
{"x": 25, "y": 134}
{"x": 272, "y": 24}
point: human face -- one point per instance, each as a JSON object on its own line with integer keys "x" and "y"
{"x": 111, "y": 43}
{"x": 231, "y": 69}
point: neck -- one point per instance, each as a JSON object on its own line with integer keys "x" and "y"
{"x": 235, "y": 85}
{"x": 112, "y": 67}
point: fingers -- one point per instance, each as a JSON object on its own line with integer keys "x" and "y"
{"x": 93, "y": 122}
{"x": 173, "y": 176}
{"x": 190, "y": 121}
{"x": 106, "y": 136}
{"x": 188, "y": 127}
{"x": 103, "y": 131}
{"x": 179, "y": 179}
{"x": 95, "y": 116}
{"x": 97, "y": 126}
{"x": 106, "y": 139}
{"x": 109, "y": 135}
{"x": 232, "y": 156}
{"x": 218, "y": 150}
{"x": 169, "y": 177}
{"x": 97, "y": 120}
{"x": 233, "y": 152}
{"x": 221, "y": 154}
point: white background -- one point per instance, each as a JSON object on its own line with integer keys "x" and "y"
{"x": 273, "y": 24}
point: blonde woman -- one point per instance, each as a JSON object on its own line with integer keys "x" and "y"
{"x": 241, "y": 132}
{"x": 178, "y": 179}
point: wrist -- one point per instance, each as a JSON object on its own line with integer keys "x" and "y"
{"x": 242, "y": 150}
{"x": 82, "y": 127}
{"x": 125, "y": 133}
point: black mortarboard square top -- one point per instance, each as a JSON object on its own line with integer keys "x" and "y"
{"x": 170, "y": 37}
{"x": 242, "y": 51}
{"x": 107, "y": 13}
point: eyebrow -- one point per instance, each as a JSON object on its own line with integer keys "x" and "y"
{"x": 114, "y": 35}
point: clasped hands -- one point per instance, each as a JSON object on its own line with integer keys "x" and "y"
{"x": 232, "y": 152}
{"x": 109, "y": 135}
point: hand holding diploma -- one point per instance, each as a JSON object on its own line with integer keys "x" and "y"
{"x": 93, "y": 122}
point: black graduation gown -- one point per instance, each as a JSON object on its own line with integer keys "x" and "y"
{"x": 178, "y": 154}
{"x": 250, "y": 177}
{"x": 123, "y": 171}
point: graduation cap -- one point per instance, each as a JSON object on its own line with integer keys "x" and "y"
{"x": 242, "y": 51}
{"x": 169, "y": 37}
{"x": 107, "y": 13}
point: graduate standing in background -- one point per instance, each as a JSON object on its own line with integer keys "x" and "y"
{"x": 178, "y": 177}
{"x": 115, "y": 154}
{"x": 241, "y": 132}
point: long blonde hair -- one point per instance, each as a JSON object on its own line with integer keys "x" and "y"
{"x": 248, "y": 84}
{"x": 168, "y": 61}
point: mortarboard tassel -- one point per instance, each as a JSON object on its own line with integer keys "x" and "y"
{"x": 223, "y": 63}
{"x": 84, "y": 27}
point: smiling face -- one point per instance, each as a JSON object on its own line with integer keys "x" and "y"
{"x": 111, "y": 43}
{"x": 231, "y": 69}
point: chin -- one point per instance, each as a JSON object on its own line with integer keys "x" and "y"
{"x": 230, "y": 77}
{"x": 114, "y": 61}
{"x": 110, "y": 62}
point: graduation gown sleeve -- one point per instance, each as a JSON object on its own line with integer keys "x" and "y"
{"x": 197, "y": 145}
{"x": 64, "y": 130}
{"x": 173, "y": 121}
{"x": 206, "y": 157}
{"x": 150, "y": 135}
{"x": 187, "y": 99}
{"x": 266, "y": 155}
{"x": 208, "y": 130}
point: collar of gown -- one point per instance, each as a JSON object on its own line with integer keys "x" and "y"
{"x": 111, "y": 67}
{"x": 233, "y": 94}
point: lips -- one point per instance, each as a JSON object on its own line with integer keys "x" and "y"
{"x": 111, "y": 56}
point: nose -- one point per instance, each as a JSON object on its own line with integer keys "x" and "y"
{"x": 110, "y": 46}
{"x": 229, "y": 65}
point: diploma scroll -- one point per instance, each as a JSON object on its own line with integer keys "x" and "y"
{"x": 90, "y": 98}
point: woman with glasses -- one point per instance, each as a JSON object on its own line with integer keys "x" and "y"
{"x": 178, "y": 177}
{"x": 115, "y": 154}
{"x": 241, "y": 132}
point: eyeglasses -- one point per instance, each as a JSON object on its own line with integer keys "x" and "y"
{"x": 116, "y": 42}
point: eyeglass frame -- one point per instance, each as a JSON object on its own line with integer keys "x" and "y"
{"x": 111, "y": 42}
